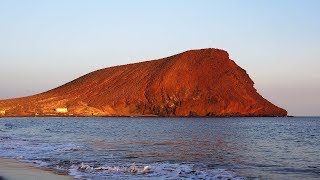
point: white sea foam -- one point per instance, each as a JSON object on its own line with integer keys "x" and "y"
{"x": 153, "y": 171}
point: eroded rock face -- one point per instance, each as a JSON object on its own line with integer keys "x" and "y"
{"x": 194, "y": 83}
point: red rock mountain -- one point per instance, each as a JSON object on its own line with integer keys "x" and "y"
{"x": 193, "y": 83}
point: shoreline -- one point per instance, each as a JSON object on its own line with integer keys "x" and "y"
{"x": 12, "y": 169}
{"x": 144, "y": 116}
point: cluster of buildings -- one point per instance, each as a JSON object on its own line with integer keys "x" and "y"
{"x": 57, "y": 110}
{"x": 61, "y": 110}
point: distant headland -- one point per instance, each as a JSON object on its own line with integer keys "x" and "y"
{"x": 201, "y": 83}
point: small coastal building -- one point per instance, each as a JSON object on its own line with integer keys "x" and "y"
{"x": 2, "y": 112}
{"x": 61, "y": 110}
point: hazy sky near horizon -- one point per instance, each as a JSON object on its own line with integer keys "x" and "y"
{"x": 44, "y": 44}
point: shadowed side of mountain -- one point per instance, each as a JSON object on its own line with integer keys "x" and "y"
{"x": 201, "y": 82}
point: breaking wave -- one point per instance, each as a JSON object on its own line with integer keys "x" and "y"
{"x": 156, "y": 171}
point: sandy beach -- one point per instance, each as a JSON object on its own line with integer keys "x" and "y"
{"x": 11, "y": 169}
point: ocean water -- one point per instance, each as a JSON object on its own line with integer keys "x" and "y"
{"x": 167, "y": 148}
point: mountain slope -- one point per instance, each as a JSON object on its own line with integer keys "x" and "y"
{"x": 193, "y": 83}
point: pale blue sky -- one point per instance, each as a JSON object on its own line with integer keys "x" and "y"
{"x": 44, "y": 44}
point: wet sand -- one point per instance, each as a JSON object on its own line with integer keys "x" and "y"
{"x": 11, "y": 169}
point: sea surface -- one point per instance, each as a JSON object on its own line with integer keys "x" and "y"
{"x": 167, "y": 148}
